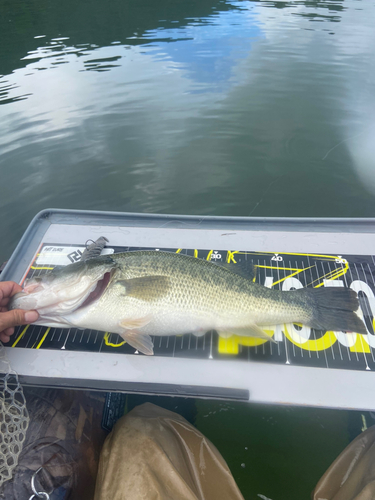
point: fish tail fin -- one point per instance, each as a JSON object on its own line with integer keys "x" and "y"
{"x": 333, "y": 308}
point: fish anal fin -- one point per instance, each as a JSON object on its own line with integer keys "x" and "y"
{"x": 140, "y": 341}
{"x": 147, "y": 287}
{"x": 251, "y": 330}
{"x": 134, "y": 323}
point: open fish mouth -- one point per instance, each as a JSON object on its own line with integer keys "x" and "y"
{"x": 63, "y": 291}
{"x": 101, "y": 287}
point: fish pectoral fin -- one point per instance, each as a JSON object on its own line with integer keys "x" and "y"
{"x": 146, "y": 288}
{"x": 134, "y": 323}
{"x": 140, "y": 341}
{"x": 251, "y": 330}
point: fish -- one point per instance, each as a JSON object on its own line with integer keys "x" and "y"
{"x": 145, "y": 293}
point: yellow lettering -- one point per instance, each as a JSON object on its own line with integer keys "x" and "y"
{"x": 230, "y": 256}
{"x": 360, "y": 345}
{"x": 230, "y": 345}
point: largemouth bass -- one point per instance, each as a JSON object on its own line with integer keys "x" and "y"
{"x": 143, "y": 293}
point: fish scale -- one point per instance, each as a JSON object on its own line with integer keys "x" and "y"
{"x": 151, "y": 293}
{"x": 200, "y": 284}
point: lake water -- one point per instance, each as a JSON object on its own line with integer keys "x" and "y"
{"x": 200, "y": 107}
{"x": 206, "y": 107}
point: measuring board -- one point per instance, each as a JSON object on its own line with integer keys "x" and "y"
{"x": 305, "y": 366}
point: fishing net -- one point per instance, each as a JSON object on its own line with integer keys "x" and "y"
{"x": 14, "y": 418}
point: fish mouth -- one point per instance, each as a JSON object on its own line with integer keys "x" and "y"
{"x": 99, "y": 290}
{"x": 52, "y": 307}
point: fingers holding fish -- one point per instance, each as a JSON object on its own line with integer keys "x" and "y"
{"x": 10, "y": 319}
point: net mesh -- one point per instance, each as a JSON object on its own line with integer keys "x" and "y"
{"x": 14, "y": 418}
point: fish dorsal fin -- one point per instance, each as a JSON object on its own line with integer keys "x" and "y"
{"x": 140, "y": 341}
{"x": 250, "y": 330}
{"x": 146, "y": 288}
{"x": 244, "y": 269}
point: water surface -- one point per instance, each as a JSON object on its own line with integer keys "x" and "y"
{"x": 201, "y": 107}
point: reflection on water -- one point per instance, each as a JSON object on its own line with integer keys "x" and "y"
{"x": 205, "y": 107}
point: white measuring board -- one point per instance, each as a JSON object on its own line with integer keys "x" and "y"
{"x": 305, "y": 367}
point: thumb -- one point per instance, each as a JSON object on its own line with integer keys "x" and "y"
{"x": 17, "y": 317}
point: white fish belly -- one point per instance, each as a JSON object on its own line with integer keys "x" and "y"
{"x": 161, "y": 321}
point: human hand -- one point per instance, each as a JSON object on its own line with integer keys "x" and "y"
{"x": 10, "y": 319}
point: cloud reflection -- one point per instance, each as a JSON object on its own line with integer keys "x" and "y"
{"x": 230, "y": 109}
